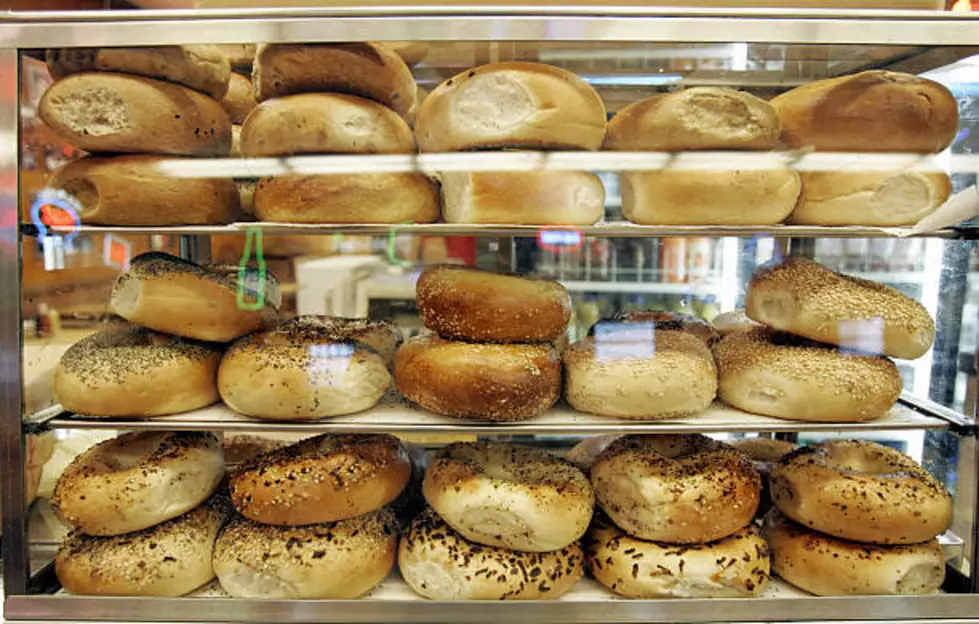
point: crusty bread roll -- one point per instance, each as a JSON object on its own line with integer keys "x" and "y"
{"x": 131, "y": 371}
{"x": 201, "y": 67}
{"x": 169, "y": 559}
{"x": 712, "y": 197}
{"x": 370, "y": 70}
{"x": 172, "y": 295}
{"x": 640, "y": 373}
{"x": 103, "y": 112}
{"x": 524, "y": 105}
{"x": 861, "y": 491}
{"x": 827, "y": 566}
{"x": 472, "y": 304}
{"x": 802, "y": 297}
{"x": 324, "y": 123}
{"x": 338, "y": 560}
{"x": 776, "y": 374}
{"x": 240, "y": 98}
{"x": 138, "y": 480}
{"x": 135, "y": 190}
{"x": 325, "y": 478}
{"x": 307, "y": 372}
{"x": 348, "y": 198}
{"x": 440, "y": 564}
{"x": 699, "y": 118}
{"x": 874, "y": 199}
{"x": 516, "y": 497}
{"x": 873, "y": 111}
{"x": 494, "y": 382}
{"x": 733, "y": 567}
{"x": 523, "y": 198}
{"x": 240, "y": 55}
{"x": 681, "y": 489}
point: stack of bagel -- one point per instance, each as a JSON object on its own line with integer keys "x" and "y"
{"x": 346, "y": 98}
{"x": 491, "y": 355}
{"x": 135, "y": 109}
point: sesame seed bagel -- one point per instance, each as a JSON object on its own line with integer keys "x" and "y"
{"x": 495, "y": 382}
{"x": 322, "y": 479}
{"x": 827, "y": 566}
{"x": 344, "y": 559}
{"x": 861, "y": 491}
{"x": 776, "y": 374}
{"x": 169, "y": 559}
{"x": 440, "y": 564}
{"x": 635, "y": 371}
{"x": 731, "y": 322}
{"x": 138, "y": 480}
{"x": 516, "y": 497}
{"x": 732, "y": 567}
{"x": 659, "y": 320}
{"x": 172, "y": 295}
{"x": 472, "y": 304}
{"x": 305, "y": 369}
{"x": 131, "y": 371}
{"x": 803, "y": 297}
{"x": 683, "y": 489}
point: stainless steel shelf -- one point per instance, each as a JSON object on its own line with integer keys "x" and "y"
{"x": 394, "y": 416}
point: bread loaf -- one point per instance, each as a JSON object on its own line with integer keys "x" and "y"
{"x": 240, "y": 98}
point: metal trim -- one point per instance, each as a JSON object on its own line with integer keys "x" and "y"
{"x": 961, "y": 423}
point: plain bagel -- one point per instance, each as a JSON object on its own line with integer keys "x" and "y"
{"x": 138, "y": 480}
{"x": 683, "y": 489}
{"x": 802, "y": 297}
{"x": 473, "y": 304}
{"x": 336, "y": 560}
{"x": 827, "y": 566}
{"x": 322, "y": 479}
{"x": 861, "y": 491}
{"x": 777, "y": 374}
{"x": 440, "y": 564}
{"x": 494, "y": 382}
{"x": 168, "y": 559}
{"x": 172, "y": 295}
{"x": 732, "y": 567}
{"x": 131, "y": 371}
{"x": 516, "y": 497}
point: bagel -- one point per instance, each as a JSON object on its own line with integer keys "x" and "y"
{"x": 131, "y": 371}
{"x": 172, "y": 295}
{"x": 302, "y": 370}
{"x": 381, "y": 336}
{"x": 733, "y": 321}
{"x": 240, "y": 449}
{"x": 344, "y": 559}
{"x": 631, "y": 370}
{"x": 138, "y": 480}
{"x": 515, "y": 497}
{"x": 659, "y": 320}
{"x": 239, "y": 101}
{"x": 493, "y": 382}
{"x": 861, "y": 491}
{"x": 170, "y": 559}
{"x": 802, "y": 297}
{"x": 583, "y": 454}
{"x": 827, "y": 566}
{"x": 325, "y": 478}
{"x": 764, "y": 452}
{"x": 776, "y": 374}
{"x": 472, "y": 304}
{"x": 682, "y": 489}
{"x": 733, "y": 567}
{"x": 440, "y": 564}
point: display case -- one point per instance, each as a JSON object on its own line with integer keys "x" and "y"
{"x": 56, "y": 251}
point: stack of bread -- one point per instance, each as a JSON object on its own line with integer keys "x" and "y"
{"x": 873, "y": 111}
{"x": 820, "y": 347}
{"x": 515, "y": 106}
{"x": 678, "y": 519}
{"x": 335, "y": 99}
{"x": 492, "y": 355}
{"x": 135, "y": 109}
{"x": 857, "y": 518}
{"x": 146, "y": 510}
{"x": 504, "y": 524}
{"x": 702, "y": 118}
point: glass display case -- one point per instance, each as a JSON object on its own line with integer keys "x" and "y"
{"x": 551, "y": 218}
